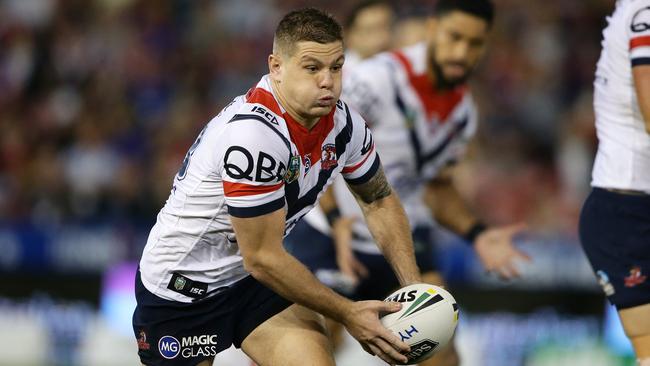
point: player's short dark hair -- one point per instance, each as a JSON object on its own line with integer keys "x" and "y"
{"x": 361, "y": 6}
{"x": 483, "y": 9}
{"x": 308, "y": 24}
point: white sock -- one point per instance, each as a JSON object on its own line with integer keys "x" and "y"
{"x": 644, "y": 362}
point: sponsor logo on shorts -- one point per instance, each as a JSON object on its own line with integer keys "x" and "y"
{"x": 603, "y": 281}
{"x": 169, "y": 347}
{"x": 635, "y": 278}
{"x": 142, "y": 341}
{"x": 204, "y": 345}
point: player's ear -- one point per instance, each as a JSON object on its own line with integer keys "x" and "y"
{"x": 275, "y": 63}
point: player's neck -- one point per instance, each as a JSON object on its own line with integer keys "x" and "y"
{"x": 308, "y": 123}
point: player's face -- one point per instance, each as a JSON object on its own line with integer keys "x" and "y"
{"x": 371, "y": 32}
{"x": 456, "y": 43}
{"x": 310, "y": 79}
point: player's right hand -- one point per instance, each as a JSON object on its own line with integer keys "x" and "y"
{"x": 362, "y": 322}
{"x": 497, "y": 252}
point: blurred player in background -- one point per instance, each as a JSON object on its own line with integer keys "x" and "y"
{"x": 368, "y": 31}
{"x": 214, "y": 271}
{"x": 615, "y": 220}
{"x": 422, "y": 115}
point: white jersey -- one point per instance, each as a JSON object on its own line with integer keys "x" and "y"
{"x": 352, "y": 59}
{"x": 623, "y": 158}
{"x": 417, "y": 130}
{"x": 249, "y": 160}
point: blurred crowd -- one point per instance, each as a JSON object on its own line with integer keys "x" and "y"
{"x": 99, "y": 101}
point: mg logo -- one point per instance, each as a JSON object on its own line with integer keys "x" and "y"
{"x": 169, "y": 347}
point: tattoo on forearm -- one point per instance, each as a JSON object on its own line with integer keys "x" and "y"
{"x": 374, "y": 189}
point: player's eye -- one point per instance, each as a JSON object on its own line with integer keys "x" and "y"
{"x": 311, "y": 68}
{"x": 337, "y": 68}
{"x": 455, "y": 37}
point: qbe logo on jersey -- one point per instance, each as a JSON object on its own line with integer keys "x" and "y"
{"x": 191, "y": 346}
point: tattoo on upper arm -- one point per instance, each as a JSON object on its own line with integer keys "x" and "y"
{"x": 374, "y": 189}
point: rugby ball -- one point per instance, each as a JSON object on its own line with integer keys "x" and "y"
{"x": 426, "y": 321}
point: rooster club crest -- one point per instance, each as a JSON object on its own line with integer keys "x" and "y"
{"x": 142, "y": 341}
{"x": 328, "y": 157}
{"x": 635, "y": 277}
{"x": 293, "y": 170}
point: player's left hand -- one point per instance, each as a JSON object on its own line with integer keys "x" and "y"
{"x": 345, "y": 258}
{"x": 497, "y": 252}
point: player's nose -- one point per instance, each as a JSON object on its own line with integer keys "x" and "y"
{"x": 326, "y": 80}
{"x": 461, "y": 51}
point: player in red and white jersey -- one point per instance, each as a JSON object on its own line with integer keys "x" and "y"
{"x": 214, "y": 271}
{"x": 418, "y": 131}
{"x": 615, "y": 219}
{"x": 623, "y": 159}
{"x": 422, "y": 116}
{"x": 270, "y": 161}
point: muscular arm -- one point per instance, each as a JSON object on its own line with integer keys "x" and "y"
{"x": 641, "y": 75}
{"x": 389, "y": 226}
{"x": 327, "y": 201}
{"x": 447, "y": 205}
{"x": 260, "y": 242}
